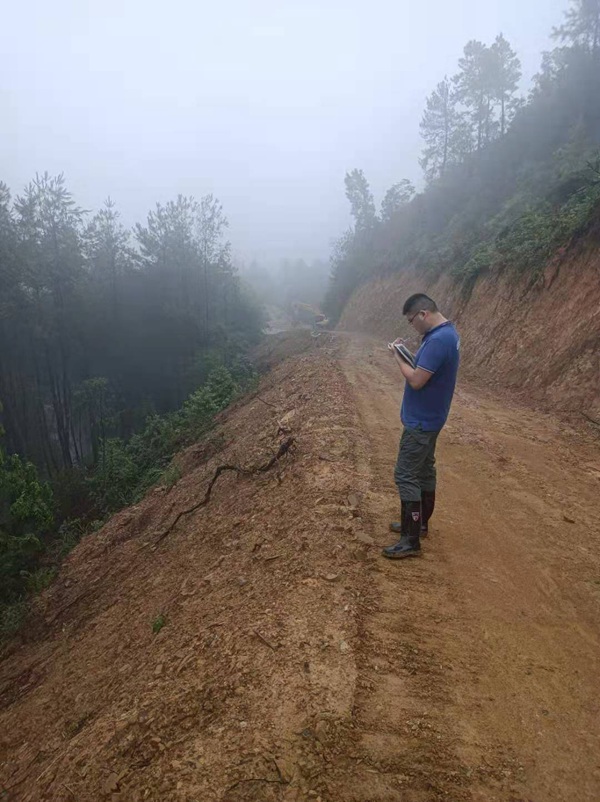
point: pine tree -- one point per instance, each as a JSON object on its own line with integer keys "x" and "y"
{"x": 395, "y": 198}
{"x": 444, "y": 131}
{"x": 506, "y": 72}
{"x": 49, "y": 227}
{"x": 581, "y": 31}
{"x": 475, "y": 89}
{"x": 214, "y": 253}
{"x": 106, "y": 244}
{"x": 362, "y": 205}
{"x": 582, "y": 26}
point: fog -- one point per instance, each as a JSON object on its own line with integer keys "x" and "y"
{"x": 265, "y": 104}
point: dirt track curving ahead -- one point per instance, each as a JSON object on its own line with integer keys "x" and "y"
{"x": 297, "y": 664}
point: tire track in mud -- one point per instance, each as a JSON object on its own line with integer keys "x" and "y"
{"x": 405, "y": 744}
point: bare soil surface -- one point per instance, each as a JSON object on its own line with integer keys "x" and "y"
{"x": 293, "y": 662}
{"x": 479, "y": 662}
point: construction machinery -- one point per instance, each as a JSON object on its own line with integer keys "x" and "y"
{"x": 305, "y": 314}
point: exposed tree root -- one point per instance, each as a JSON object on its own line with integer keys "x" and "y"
{"x": 283, "y": 449}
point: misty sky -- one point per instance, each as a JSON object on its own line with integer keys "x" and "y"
{"x": 265, "y": 104}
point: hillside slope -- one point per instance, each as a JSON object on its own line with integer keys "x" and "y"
{"x": 540, "y": 340}
{"x": 294, "y": 663}
{"x": 259, "y": 590}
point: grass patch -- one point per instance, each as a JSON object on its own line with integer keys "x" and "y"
{"x": 158, "y": 623}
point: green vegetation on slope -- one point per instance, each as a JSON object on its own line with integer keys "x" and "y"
{"x": 33, "y": 534}
{"x": 508, "y": 181}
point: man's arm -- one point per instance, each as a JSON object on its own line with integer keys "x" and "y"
{"x": 416, "y": 377}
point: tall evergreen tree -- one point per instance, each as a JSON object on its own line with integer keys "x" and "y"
{"x": 582, "y": 25}
{"x": 49, "y": 225}
{"x": 215, "y": 254}
{"x": 107, "y": 244}
{"x": 444, "y": 130}
{"x": 14, "y": 319}
{"x": 475, "y": 89}
{"x": 109, "y": 255}
{"x": 506, "y": 73}
{"x": 395, "y": 198}
{"x": 579, "y": 62}
{"x": 361, "y": 200}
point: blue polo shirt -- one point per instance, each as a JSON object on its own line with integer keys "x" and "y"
{"x": 439, "y": 355}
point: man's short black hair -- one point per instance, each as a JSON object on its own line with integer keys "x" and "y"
{"x": 419, "y": 301}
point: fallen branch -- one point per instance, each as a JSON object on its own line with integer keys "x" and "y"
{"x": 283, "y": 449}
{"x": 264, "y": 640}
{"x": 254, "y": 780}
{"x": 268, "y": 403}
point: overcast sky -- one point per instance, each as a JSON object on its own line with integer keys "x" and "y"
{"x": 265, "y": 104}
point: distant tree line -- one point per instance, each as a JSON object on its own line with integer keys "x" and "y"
{"x": 117, "y": 348}
{"x": 508, "y": 180}
{"x": 99, "y": 328}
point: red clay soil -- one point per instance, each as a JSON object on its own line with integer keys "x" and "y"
{"x": 540, "y": 339}
{"x": 294, "y": 662}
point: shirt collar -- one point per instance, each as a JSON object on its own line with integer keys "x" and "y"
{"x": 437, "y": 328}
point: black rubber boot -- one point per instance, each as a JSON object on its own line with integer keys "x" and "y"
{"x": 409, "y": 544}
{"x": 399, "y": 527}
{"x": 427, "y": 507}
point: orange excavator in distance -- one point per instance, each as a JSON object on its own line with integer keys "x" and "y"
{"x": 307, "y": 315}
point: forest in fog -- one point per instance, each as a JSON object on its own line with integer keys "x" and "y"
{"x": 119, "y": 344}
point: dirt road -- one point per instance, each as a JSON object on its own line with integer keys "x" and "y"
{"x": 294, "y": 663}
{"x": 479, "y": 667}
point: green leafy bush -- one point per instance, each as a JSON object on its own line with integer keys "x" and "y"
{"x": 30, "y": 545}
{"x": 221, "y": 387}
{"x": 480, "y": 261}
{"x": 26, "y": 515}
{"x": 36, "y": 581}
{"x": 125, "y": 471}
{"x": 12, "y": 617}
{"x": 158, "y": 623}
{"x": 198, "y": 411}
{"x": 116, "y": 476}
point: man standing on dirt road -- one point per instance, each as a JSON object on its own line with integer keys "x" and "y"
{"x": 425, "y": 406}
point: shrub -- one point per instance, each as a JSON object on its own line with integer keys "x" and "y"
{"x": 116, "y": 476}
{"x": 12, "y": 618}
{"x": 158, "y": 623}
{"x": 26, "y": 514}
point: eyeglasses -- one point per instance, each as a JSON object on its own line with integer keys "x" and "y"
{"x": 410, "y": 319}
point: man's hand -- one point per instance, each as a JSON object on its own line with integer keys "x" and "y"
{"x": 415, "y": 377}
{"x": 397, "y": 341}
